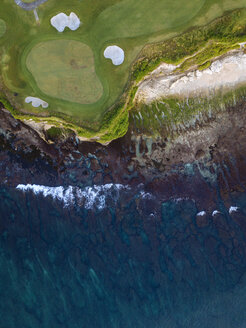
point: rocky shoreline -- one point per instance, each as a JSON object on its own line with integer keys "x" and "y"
{"x": 208, "y": 154}
{"x": 185, "y": 241}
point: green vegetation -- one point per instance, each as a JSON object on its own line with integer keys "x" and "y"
{"x": 2, "y": 27}
{"x": 85, "y": 92}
{"x": 212, "y": 50}
{"x": 115, "y": 123}
{"x": 171, "y": 115}
{"x": 215, "y": 39}
{"x": 64, "y": 69}
{"x": 54, "y": 133}
{"x": 131, "y": 18}
{"x": 207, "y": 64}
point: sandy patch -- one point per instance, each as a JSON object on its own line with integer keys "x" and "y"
{"x": 36, "y": 102}
{"x": 61, "y": 21}
{"x": 224, "y": 73}
{"x": 115, "y": 53}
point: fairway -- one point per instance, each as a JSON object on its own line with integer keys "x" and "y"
{"x": 2, "y": 27}
{"x": 65, "y": 69}
{"x": 69, "y": 70}
{"x": 130, "y": 18}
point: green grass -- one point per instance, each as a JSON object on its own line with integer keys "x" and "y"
{"x": 129, "y": 24}
{"x": 64, "y": 69}
{"x": 56, "y": 133}
{"x": 217, "y": 38}
{"x": 131, "y": 18}
{"x": 2, "y": 27}
{"x": 205, "y": 65}
{"x": 212, "y": 50}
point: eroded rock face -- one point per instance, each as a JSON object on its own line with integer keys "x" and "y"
{"x": 224, "y": 73}
{"x": 61, "y": 21}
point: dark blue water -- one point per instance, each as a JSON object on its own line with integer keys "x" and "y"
{"x": 128, "y": 260}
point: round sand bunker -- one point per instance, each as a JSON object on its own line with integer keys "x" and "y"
{"x": 115, "y": 53}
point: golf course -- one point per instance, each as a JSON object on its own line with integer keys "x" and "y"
{"x": 63, "y": 63}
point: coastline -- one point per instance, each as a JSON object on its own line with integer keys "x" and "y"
{"x": 178, "y": 232}
{"x": 198, "y": 153}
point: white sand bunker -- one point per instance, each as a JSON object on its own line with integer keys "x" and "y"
{"x": 36, "y": 102}
{"x": 61, "y": 21}
{"x": 116, "y": 54}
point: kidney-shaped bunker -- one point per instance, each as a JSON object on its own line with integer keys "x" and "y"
{"x": 115, "y": 53}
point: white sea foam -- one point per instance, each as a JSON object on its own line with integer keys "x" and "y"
{"x": 60, "y": 21}
{"x": 233, "y": 209}
{"x": 89, "y": 197}
{"x": 202, "y": 213}
{"x": 116, "y": 54}
{"x": 215, "y": 213}
{"x": 183, "y": 199}
{"x": 36, "y": 102}
{"x": 146, "y": 195}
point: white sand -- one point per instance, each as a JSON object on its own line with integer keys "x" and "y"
{"x": 226, "y": 72}
{"x": 115, "y": 53}
{"x": 36, "y": 102}
{"x": 61, "y": 21}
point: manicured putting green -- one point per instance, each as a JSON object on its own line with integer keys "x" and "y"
{"x": 65, "y": 69}
{"x": 131, "y": 18}
{"x": 2, "y": 27}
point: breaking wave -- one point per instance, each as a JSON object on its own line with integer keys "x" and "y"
{"x": 89, "y": 197}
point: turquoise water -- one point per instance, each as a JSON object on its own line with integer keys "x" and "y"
{"x": 137, "y": 261}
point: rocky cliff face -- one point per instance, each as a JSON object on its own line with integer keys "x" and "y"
{"x": 213, "y": 149}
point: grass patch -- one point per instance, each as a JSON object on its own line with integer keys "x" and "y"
{"x": 129, "y": 17}
{"x": 65, "y": 69}
{"x": 216, "y": 38}
{"x": 55, "y": 133}
{"x": 205, "y": 65}
{"x": 213, "y": 49}
{"x": 2, "y": 27}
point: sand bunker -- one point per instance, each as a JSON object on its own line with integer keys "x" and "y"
{"x": 116, "y": 54}
{"x": 36, "y": 102}
{"x": 61, "y": 21}
{"x": 224, "y": 73}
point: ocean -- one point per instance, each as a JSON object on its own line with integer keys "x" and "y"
{"x": 119, "y": 256}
